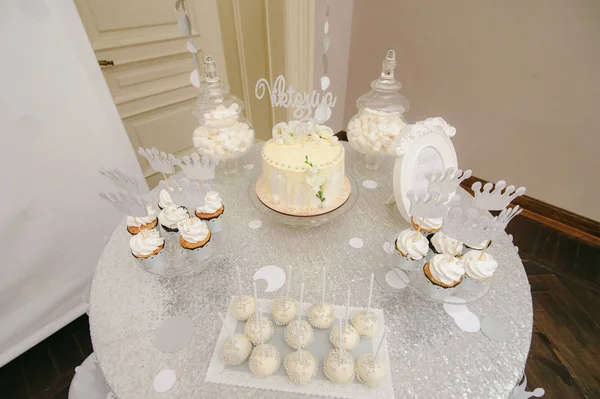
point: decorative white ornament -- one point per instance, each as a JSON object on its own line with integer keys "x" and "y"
{"x": 519, "y": 392}
{"x": 195, "y": 78}
{"x": 196, "y": 167}
{"x": 425, "y": 148}
{"x": 304, "y": 104}
{"x": 125, "y": 181}
{"x": 273, "y": 275}
{"x": 255, "y": 224}
{"x": 164, "y": 380}
{"x": 469, "y": 226}
{"x": 184, "y": 25}
{"x": 356, "y": 242}
{"x": 186, "y": 193}
{"x": 325, "y": 82}
{"x": 323, "y": 114}
{"x": 429, "y": 204}
{"x": 128, "y": 203}
{"x": 467, "y": 321}
{"x": 445, "y": 183}
{"x": 495, "y": 197}
{"x": 370, "y": 184}
{"x": 192, "y": 46}
{"x": 159, "y": 161}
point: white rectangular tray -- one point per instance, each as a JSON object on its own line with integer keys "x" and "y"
{"x": 219, "y": 372}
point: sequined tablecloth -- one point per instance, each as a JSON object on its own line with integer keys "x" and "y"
{"x": 430, "y": 356}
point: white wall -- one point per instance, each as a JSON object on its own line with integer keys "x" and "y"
{"x": 520, "y": 80}
{"x": 59, "y": 126}
{"x": 340, "y": 25}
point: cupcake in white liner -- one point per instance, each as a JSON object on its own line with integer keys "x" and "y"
{"x": 411, "y": 247}
{"x": 427, "y": 225}
{"x": 440, "y": 243}
{"x": 444, "y": 273}
{"x": 212, "y": 211}
{"x": 148, "y": 222}
{"x": 478, "y": 270}
{"x": 165, "y": 201}
{"x": 169, "y": 218}
{"x": 147, "y": 248}
{"x": 194, "y": 238}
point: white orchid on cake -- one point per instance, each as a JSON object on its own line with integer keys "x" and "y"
{"x": 315, "y": 180}
{"x": 294, "y": 132}
{"x": 285, "y": 134}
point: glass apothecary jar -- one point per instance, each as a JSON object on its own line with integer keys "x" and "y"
{"x": 380, "y": 120}
{"x": 223, "y": 132}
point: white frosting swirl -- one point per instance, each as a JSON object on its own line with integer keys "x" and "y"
{"x": 413, "y": 244}
{"x": 146, "y": 243}
{"x": 212, "y": 203}
{"x": 446, "y": 269}
{"x": 143, "y": 219}
{"x": 481, "y": 245}
{"x": 193, "y": 230}
{"x": 429, "y": 223}
{"x": 169, "y": 217}
{"x": 446, "y": 245}
{"x": 164, "y": 200}
{"x": 479, "y": 269}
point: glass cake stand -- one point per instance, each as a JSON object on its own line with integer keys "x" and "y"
{"x": 463, "y": 293}
{"x": 303, "y": 221}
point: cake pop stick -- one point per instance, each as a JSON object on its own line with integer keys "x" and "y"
{"x": 289, "y": 281}
{"x": 225, "y": 326}
{"x": 340, "y": 348}
{"x": 347, "y": 306}
{"x": 380, "y": 344}
{"x": 239, "y": 280}
{"x": 255, "y": 300}
{"x": 262, "y": 339}
{"x": 300, "y": 303}
{"x": 298, "y": 338}
{"x": 323, "y": 286}
{"x": 370, "y": 292}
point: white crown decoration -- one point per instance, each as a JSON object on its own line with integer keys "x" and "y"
{"x": 499, "y": 223}
{"x": 496, "y": 199}
{"x": 469, "y": 226}
{"x": 159, "y": 161}
{"x": 125, "y": 181}
{"x": 446, "y": 182}
{"x": 430, "y": 125}
{"x": 425, "y": 204}
{"x": 185, "y": 192}
{"x": 128, "y": 203}
{"x": 196, "y": 167}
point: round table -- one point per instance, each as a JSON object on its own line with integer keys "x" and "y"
{"x": 430, "y": 356}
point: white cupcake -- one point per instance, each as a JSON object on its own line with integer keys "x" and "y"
{"x": 165, "y": 201}
{"x": 443, "y": 244}
{"x": 410, "y": 246}
{"x": 427, "y": 225}
{"x": 168, "y": 219}
{"x": 477, "y": 271}
{"x": 148, "y": 222}
{"x": 444, "y": 273}
{"x": 212, "y": 211}
{"x": 195, "y": 238}
{"x": 147, "y": 248}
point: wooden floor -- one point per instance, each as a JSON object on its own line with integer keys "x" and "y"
{"x": 564, "y": 273}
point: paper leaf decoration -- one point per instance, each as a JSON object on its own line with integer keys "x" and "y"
{"x": 196, "y": 167}
{"x": 494, "y": 197}
{"x": 159, "y": 161}
{"x": 125, "y": 181}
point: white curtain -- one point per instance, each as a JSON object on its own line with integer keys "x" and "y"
{"x": 58, "y": 127}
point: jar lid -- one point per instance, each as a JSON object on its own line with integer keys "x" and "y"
{"x": 213, "y": 92}
{"x": 385, "y": 91}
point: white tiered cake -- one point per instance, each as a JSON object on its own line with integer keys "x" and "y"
{"x": 303, "y": 174}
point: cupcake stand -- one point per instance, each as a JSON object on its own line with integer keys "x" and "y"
{"x": 429, "y": 355}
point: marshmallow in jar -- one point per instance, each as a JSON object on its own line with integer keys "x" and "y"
{"x": 222, "y": 132}
{"x": 380, "y": 118}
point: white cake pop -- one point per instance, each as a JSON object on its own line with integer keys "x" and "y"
{"x": 252, "y": 329}
{"x": 264, "y": 360}
{"x": 301, "y": 335}
{"x": 320, "y": 315}
{"x": 235, "y": 348}
{"x": 284, "y": 307}
{"x": 365, "y": 322}
{"x": 243, "y": 305}
{"x": 338, "y": 365}
{"x": 301, "y": 371}
{"x": 301, "y": 365}
{"x": 370, "y": 368}
{"x": 350, "y": 336}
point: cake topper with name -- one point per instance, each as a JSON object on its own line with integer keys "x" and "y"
{"x": 305, "y": 105}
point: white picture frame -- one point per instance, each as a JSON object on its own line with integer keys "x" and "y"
{"x": 424, "y": 147}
